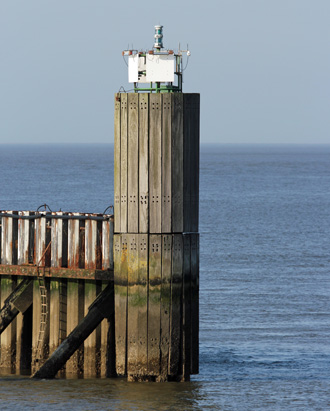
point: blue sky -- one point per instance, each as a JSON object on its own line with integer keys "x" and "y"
{"x": 262, "y": 67}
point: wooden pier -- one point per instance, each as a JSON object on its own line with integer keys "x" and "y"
{"x": 88, "y": 295}
{"x": 68, "y": 258}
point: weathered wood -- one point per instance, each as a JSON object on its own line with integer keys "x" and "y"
{"x": 57, "y": 241}
{"x": 133, "y": 304}
{"x": 176, "y": 306}
{"x": 165, "y": 304}
{"x": 9, "y": 234}
{"x": 54, "y": 331}
{"x": 92, "y": 344}
{"x": 155, "y": 275}
{"x": 23, "y": 239}
{"x": 186, "y": 312}
{"x": 133, "y": 164}
{"x": 166, "y": 182}
{"x": 123, "y": 163}
{"x": 90, "y": 244}
{"x": 117, "y": 165}
{"x": 107, "y": 257}
{"x": 155, "y": 162}
{"x": 143, "y": 250}
{"x": 143, "y": 162}
{"x": 73, "y": 242}
{"x": 120, "y": 286}
{"x": 58, "y": 313}
{"x": 187, "y": 166}
{"x": 8, "y": 335}
{"x": 59, "y": 238}
{"x": 97, "y": 311}
{"x": 19, "y": 329}
{"x": 107, "y": 350}
{"x": 177, "y": 162}
{"x": 40, "y": 240}
{"x": 19, "y": 300}
{"x": 75, "y": 313}
{"x": 191, "y": 137}
{"x": 194, "y": 303}
{"x": 33, "y": 271}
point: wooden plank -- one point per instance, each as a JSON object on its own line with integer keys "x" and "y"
{"x": 61, "y": 272}
{"x": 120, "y": 286}
{"x": 154, "y": 298}
{"x": 186, "y": 320}
{"x": 187, "y": 166}
{"x": 123, "y": 163}
{"x": 194, "y": 303}
{"x": 19, "y": 318}
{"x": 92, "y": 344}
{"x": 176, "y": 307}
{"x": 105, "y": 351}
{"x": 111, "y": 243}
{"x": 90, "y": 244}
{"x": 143, "y": 162}
{"x": 54, "y": 317}
{"x": 155, "y": 162}
{"x": 133, "y": 163}
{"x": 73, "y": 242}
{"x": 75, "y": 313}
{"x": 133, "y": 304}
{"x": 177, "y": 162}
{"x": 143, "y": 251}
{"x": 8, "y": 337}
{"x": 40, "y": 240}
{"x": 166, "y": 182}
{"x": 106, "y": 251}
{"x": 7, "y": 235}
{"x": 57, "y": 241}
{"x": 23, "y": 239}
{"x": 193, "y": 104}
{"x": 82, "y": 243}
{"x": 58, "y": 313}
{"x": 117, "y": 165}
{"x": 165, "y": 303}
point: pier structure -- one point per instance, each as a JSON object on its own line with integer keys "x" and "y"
{"x": 87, "y": 295}
{"x": 52, "y": 267}
{"x": 156, "y": 210}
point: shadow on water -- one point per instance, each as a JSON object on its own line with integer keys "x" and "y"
{"x": 18, "y": 392}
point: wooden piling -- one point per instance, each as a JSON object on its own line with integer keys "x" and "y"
{"x": 156, "y": 254}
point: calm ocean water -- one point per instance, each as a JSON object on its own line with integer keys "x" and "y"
{"x": 264, "y": 277}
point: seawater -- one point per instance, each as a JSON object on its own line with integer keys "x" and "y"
{"x": 264, "y": 276}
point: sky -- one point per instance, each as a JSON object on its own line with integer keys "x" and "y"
{"x": 262, "y": 67}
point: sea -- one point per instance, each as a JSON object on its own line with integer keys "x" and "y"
{"x": 264, "y": 276}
